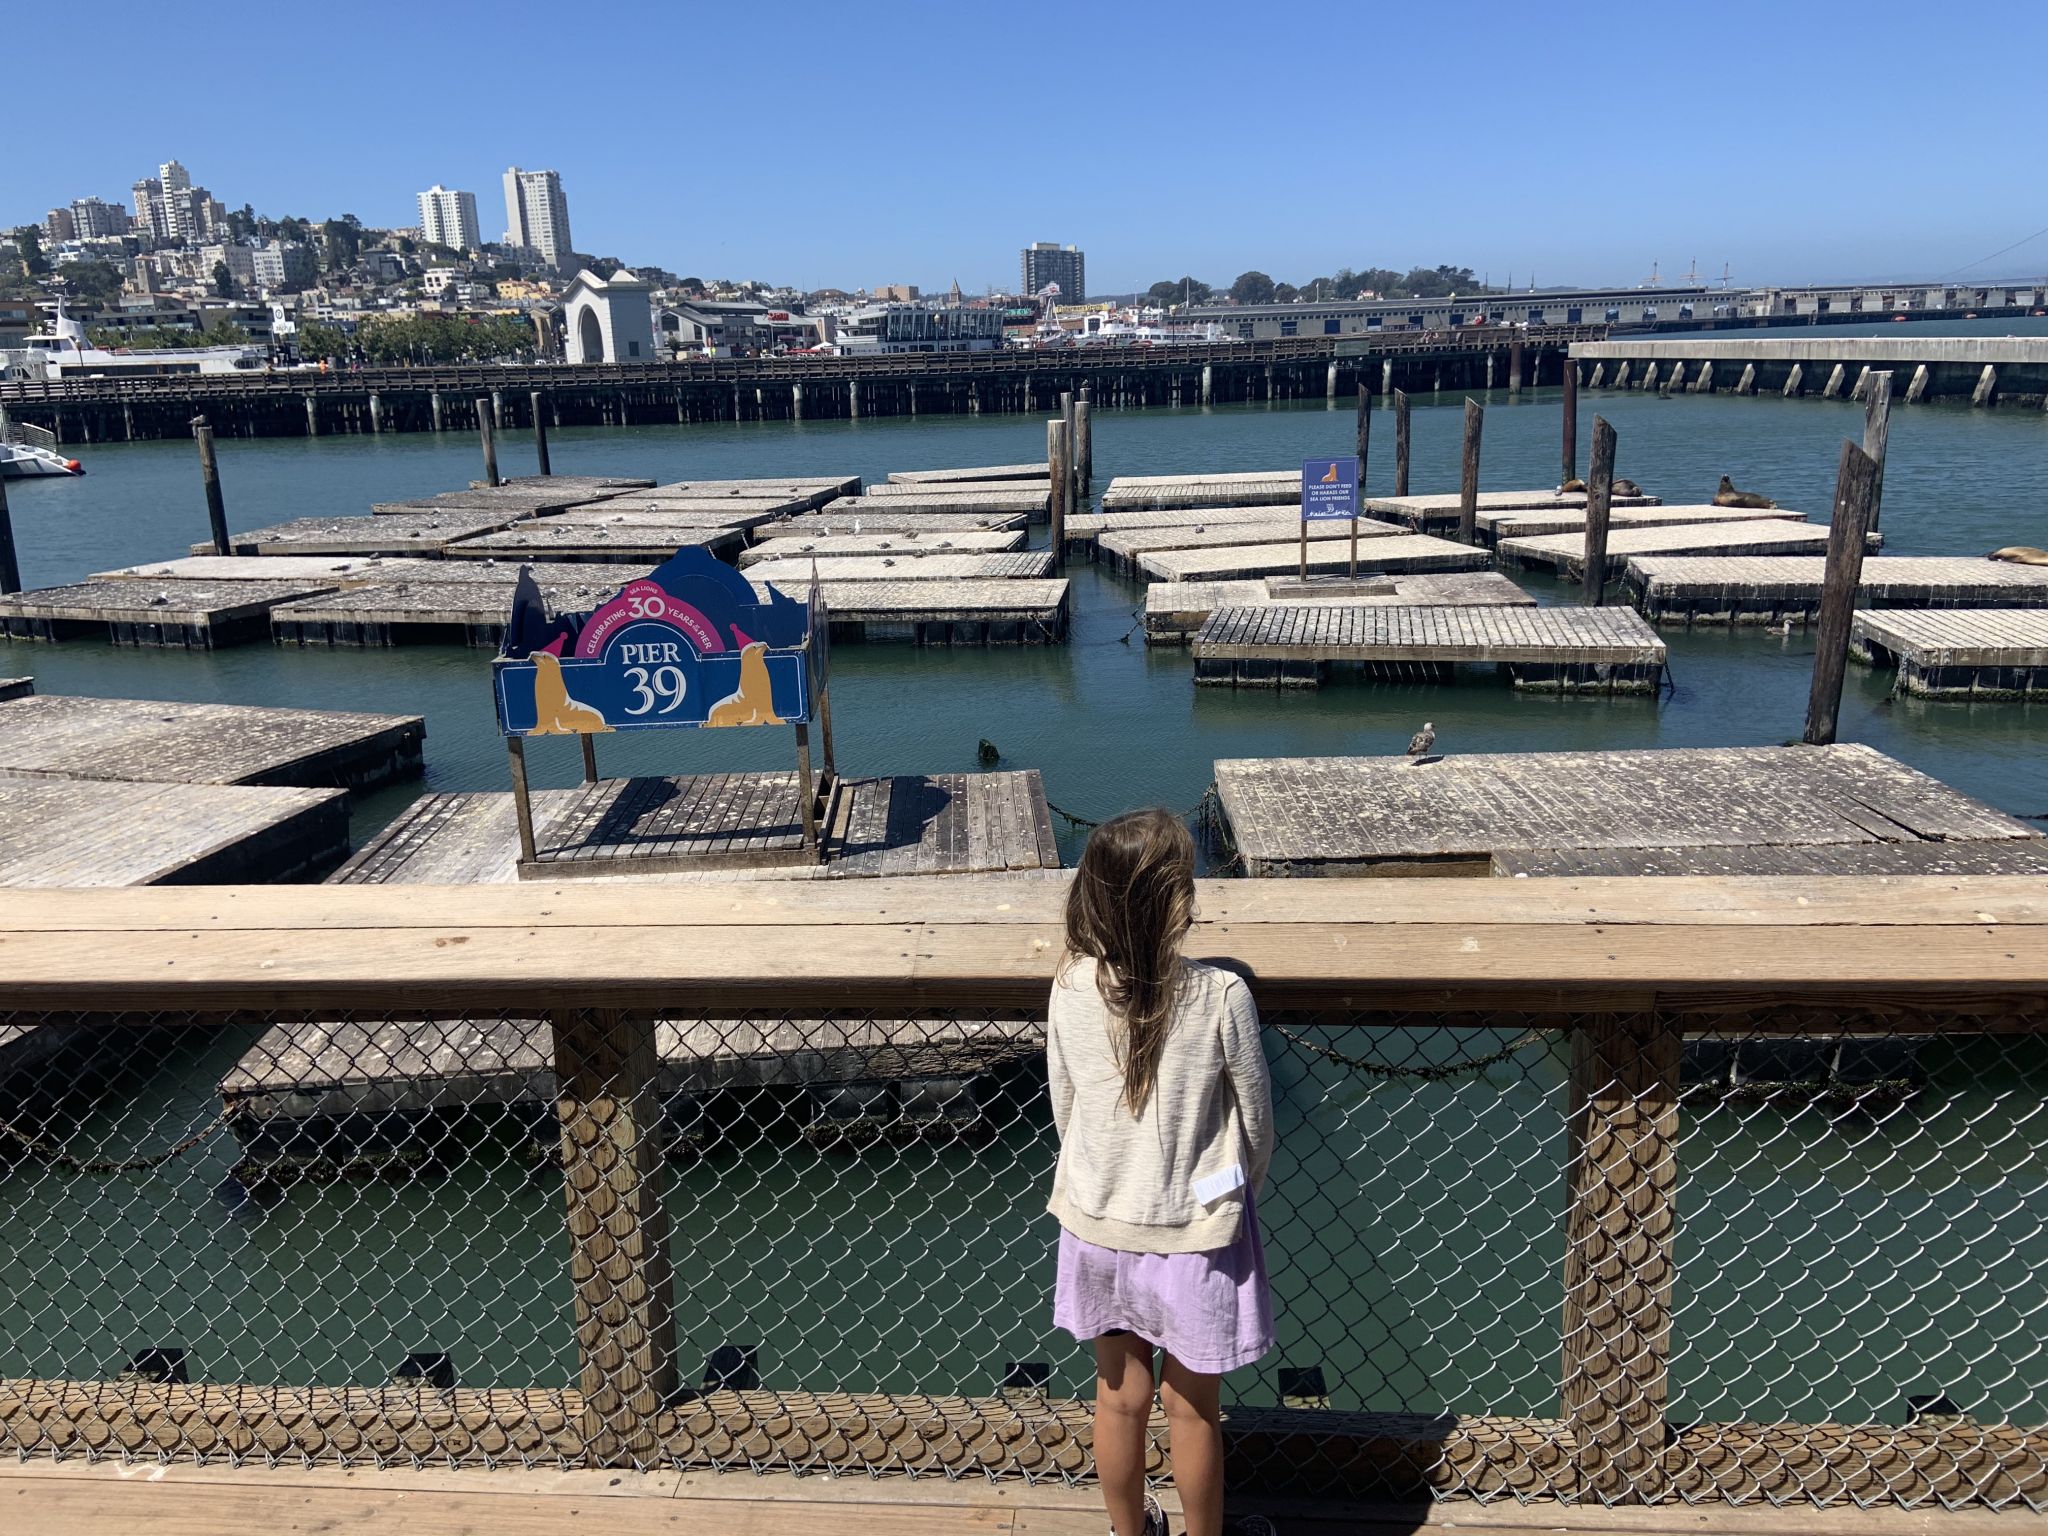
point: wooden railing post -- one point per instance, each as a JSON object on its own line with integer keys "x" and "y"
{"x": 1619, "y": 1217}
{"x": 619, "y": 1269}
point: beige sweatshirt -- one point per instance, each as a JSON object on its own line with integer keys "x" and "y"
{"x": 1127, "y": 1182}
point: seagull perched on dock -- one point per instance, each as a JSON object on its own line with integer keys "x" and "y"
{"x": 1420, "y": 743}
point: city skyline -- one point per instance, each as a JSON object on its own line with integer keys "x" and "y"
{"x": 1515, "y": 162}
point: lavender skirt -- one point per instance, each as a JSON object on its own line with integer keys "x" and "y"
{"x": 1213, "y": 1312}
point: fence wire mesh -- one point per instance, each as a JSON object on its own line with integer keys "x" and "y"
{"x": 1787, "y": 1255}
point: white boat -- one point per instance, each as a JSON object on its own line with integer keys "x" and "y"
{"x": 27, "y": 450}
{"x": 64, "y": 352}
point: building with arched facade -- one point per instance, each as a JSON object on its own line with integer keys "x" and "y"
{"x": 608, "y": 320}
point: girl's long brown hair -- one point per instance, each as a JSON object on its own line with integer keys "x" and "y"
{"x": 1132, "y": 901}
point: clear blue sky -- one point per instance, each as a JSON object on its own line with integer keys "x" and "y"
{"x": 889, "y": 142}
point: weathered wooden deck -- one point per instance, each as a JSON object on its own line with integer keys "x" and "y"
{"x": 323, "y": 571}
{"x": 963, "y": 612}
{"x": 78, "y": 832}
{"x": 1704, "y": 589}
{"x": 180, "y": 615}
{"x": 1530, "y": 525}
{"x": 1565, "y": 553}
{"x": 585, "y": 483}
{"x": 814, "y": 489}
{"x": 1123, "y": 550}
{"x": 1958, "y": 653}
{"x": 902, "y": 564}
{"x": 971, "y": 473}
{"x": 406, "y": 533}
{"x": 434, "y": 612}
{"x": 1252, "y": 488}
{"x": 880, "y": 520}
{"x": 916, "y": 541}
{"x": 1449, "y": 814}
{"x": 2006, "y": 856}
{"x": 1442, "y": 510}
{"x": 680, "y": 829}
{"x": 1031, "y": 484}
{"x": 1032, "y": 503}
{"x": 1570, "y": 650}
{"x": 1083, "y": 529}
{"x": 55, "y": 736}
{"x": 1401, "y": 552}
{"x": 16, "y": 688}
{"x": 1174, "y": 610}
{"x": 649, "y": 543}
{"x": 513, "y": 501}
{"x": 690, "y": 514}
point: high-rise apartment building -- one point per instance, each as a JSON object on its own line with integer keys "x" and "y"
{"x": 537, "y": 214}
{"x": 174, "y": 177}
{"x": 59, "y": 226}
{"x": 449, "y": 218}
{"x": 169, "y": 207}
{"x": 1046, "y": 262}
{"x": 94, "y": 219}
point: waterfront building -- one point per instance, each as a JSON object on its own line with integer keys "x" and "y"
{"x": 58, "y": 226}
{"x": 1047, "y": 262}
{"x": 93, "y": 219}
{"x": 1878, "y": 299}
{"x": 914, "y": 328}
{"x": 537, "y": 215}
{"x": 448, "y": 217}
{"x": 1563, "y": 306}
{"x": 608, "y": 320}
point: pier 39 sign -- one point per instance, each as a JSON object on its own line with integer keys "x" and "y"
{"x": 689, "y": 644}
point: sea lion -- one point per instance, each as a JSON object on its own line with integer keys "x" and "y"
{"x": 1625, "y": 488}
{"x": 2021, "y": 554}
{"x": 1728, "y": 496}
{"x": 554, "y": 712}
{"x": 1571, "y": 487}
{"x": 753, "y": 702}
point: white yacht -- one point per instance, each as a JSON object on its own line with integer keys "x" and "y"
{"x": 27, "y": 450}
{"x": 63, "y": 352}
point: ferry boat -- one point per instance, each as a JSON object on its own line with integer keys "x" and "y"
{"x": 63, "y": 352}
{"x": 27, "y": 451}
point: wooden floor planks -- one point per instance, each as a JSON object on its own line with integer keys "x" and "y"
{"x": 1735, "y": 589}
{"x": 99, "y": 833}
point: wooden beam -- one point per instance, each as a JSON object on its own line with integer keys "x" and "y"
{"x": 1877, "y": 421}
{"x": 1400, "y": 442}
{"x": 1855, "y": 497}
{"x": 1468, "y": 475}
{"x": 1599, "y": 500}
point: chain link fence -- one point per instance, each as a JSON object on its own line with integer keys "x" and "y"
{"x": 1787, "y": 1254}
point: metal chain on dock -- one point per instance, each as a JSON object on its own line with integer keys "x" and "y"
{"x": 1434, "y": 1072}
{"x": 57, "y": 1157}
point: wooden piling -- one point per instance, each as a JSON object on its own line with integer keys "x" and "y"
{"x": 1084, "y": 447}
{"x": 1515, "y": 368}
{"x": 1468, "y": 477}
{"x": 10, "y": 567}
{"x": 1400, "y": 442}
{"x": 1599, "y": 499}
{"x": 1571, "y": 421}
{"x": 1855, "y": 494}
{"x": 1877, "y": 423}
{"x": 209, "y": 472}
{"x": 1060, "y": 481}
{"x": 540, "y": 432}
{"x": 490, "y": 442}
{"x": 1067, "y": 417}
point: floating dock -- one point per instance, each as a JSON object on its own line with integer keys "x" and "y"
{"x": 588, "y": 484}
{"x": 813, "y": 490}
{"x": 2005, "y": 856}
{"x": 984, "y": 612}
{"x": 321, "y": 571}
{"x": 1698, "y": 589}
{"x": 1564, "y": 650}
{"x": 1494, "y": 526}
{"x": 1253, "y": 488}
{"x": 928, "y": 488}
{"x": 1450, "y": 813}
{"x": 973, "y": 473}
{"x": 879, "y": 520}
{"x": 1175, "y": 610}
{"x": 80, "y": 833}
{"x": 1423, "y": 513}
{"x": 916, "y": 541}
{"x": 433, "y": 612}
{"x": 179, "y": 615}
{"x": 517, "y": 503}
{"x": 1958, "y": 653}
{"x": 16, "y": 688}
{"x": 626, "y": 544}
{"x": 53, "y": 736}
{"x": 795, "y": 572}
{"x": 1123, "y": 550}
{"x": 1565, "y": 553}
{"x": 406, "y": 533}
{"x": 1401, "y": 552}
{"x": 1032, "y": 503}
{"x": 689, "y": 514}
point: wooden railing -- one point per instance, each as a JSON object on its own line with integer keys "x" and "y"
{"x": 1629, "y": 968}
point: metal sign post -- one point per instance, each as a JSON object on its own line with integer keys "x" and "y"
{"x": 1329, "y": 493}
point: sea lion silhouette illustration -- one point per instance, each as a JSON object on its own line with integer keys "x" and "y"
{"x": 554, "y": 712}
{"x": 1330, "y": 476}
{"x": 753, "y": 703}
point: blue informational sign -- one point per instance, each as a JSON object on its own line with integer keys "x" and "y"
{"x": 1329, "y": 489}
{"x": 690, "y": 644}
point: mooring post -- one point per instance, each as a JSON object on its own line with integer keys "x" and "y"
{"x": 10, "y": 567}
{"x": 1364, "y": 442}
{"x": 1067, "y": 416}
{"x": 490, "y": 441}
{"x": 540, "y": 432}
{"x": 1877, "y": 427}
{"x": 1515, "y": 368}
{"x": 1400, "y": 442}
{"x": 1060, "y": 482}
{"x": 209, "y": 471}
{"x": 1599, "y": 496}
{"x": 1571, "y": 421}
{"x": 1855, "y": 493}
{"x": 498, "y": 409}
{"x": 1084, "y": 448}
{"x": 608, "y": 1103}
{"x": 440, "y": 414}
{"x": 1468, "y": 477}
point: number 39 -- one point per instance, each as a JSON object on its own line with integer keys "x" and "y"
{"x": 665, "y": 685}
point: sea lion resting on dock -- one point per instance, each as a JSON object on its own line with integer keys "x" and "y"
{"x": 2021, "y": 554}
{"x": 1625, "y": 488}
{"x": 1571, "y": 487}
{"x": 1728, "y": 496}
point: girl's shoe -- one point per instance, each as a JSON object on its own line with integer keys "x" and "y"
{"x": 1155, "y": 1518}
{"x": 1254, "y": 1525}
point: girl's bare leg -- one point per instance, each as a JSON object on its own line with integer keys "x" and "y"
{"x": 1123, "y": 1412}
{"x": 1194, "y": 1416}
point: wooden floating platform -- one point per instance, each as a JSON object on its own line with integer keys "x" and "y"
{"x": 1175, "y": 610}
{"x": 1450, "y": 814}
{"x": 55, "y": 736}
{"x": 812, "y": 490}
{"x": 1565, "y": 553}
{"x": 795, "y": 572}
{"x": 983, "y": 612}
{"x": 1958, "y": 653}
{"x": 816, "y": 524}
{"x": 1565, "y": 650}
{"x": 180, "y": 615}
{"x": 1702, "y": 589}
{"x": 1122, "y": 550}
{"x": 1033, "y": 503}
{"x": 681, "y": 829}
{"x": 16, "y": 688}
{"x": 881, "y": 545}
{"x": 576, "y": 542}
{"x": 1133, "y": 493}
{"x": 516, "y": 502}
{"x": 433, "y": 612}
{"x": 972, "y": 473}
{"x": 1085, "y": 528}
{"x": 584, "y": 483}
{"x": 692, "y": 514}
{"x": 1531, "y": 525}
{"x": 1441, "y": 511}
{"x": 1401, "y": 552}
{"x": 321, "y": 570}
{"x": 56, "y": 833}
{"x": 2004, "y": 856}
{"x": 407, "y": 533}
{"x": 926, "y": 488}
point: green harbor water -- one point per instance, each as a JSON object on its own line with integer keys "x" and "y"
{"x": 1829, "y": 1265}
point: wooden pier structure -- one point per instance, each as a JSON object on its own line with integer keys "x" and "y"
{"x": 1032, "y": 503}
{"x": 1494, "y": 526}
{"x": 1990, "y": 856}
{"x": 1249, "y": 488}
{"x": 403, "y": 533}
{"x": 971, "y": 611}
{"x": 795, "y": 571}
{"x": 876, "y": 546}
{"x": 16, "y": 688}
{"x": 1123, "y": 550}
{"x": 1563, "y": 650}
{"x": 1723, "y": 590}
{"x": 647, "y": 544}
{"x": 1958, "y": 653}
{"x": 971, "y": 473}
{"x": 1399, "y": 552}
{"x": 431, "y": 611}
{"x": 1565, "y": 553}
{"x": 1176, "y": 610}
{"x": 55, "y": 736}
{"x": 1425, "y": 514}
{"x": 743, "y": 514}
{"x": 80, "y": 832}
{"x": 173, "y": 614}
{"x": 1452, "y": 813}
{"x": 874, "y": 517}
{"x": 929, "y": 490}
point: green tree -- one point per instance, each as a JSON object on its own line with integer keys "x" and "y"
{"x": 91, "y": 282}
{"x": 223, "y": 280}
{"x": 342, "y": 240}
{"x": 28, "y": 240}
{"x": 318, "y": 339}
{"x": 1252, "y": 288}
{"x": 1285, "y": 293}
{"x": 1184, "y": 290}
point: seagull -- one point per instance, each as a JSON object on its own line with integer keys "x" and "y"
{"x": 1420, "y": 743}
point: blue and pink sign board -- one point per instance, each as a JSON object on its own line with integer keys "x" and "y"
{"x": 1329, "y": 489}
{"x": 689, "y": 644}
